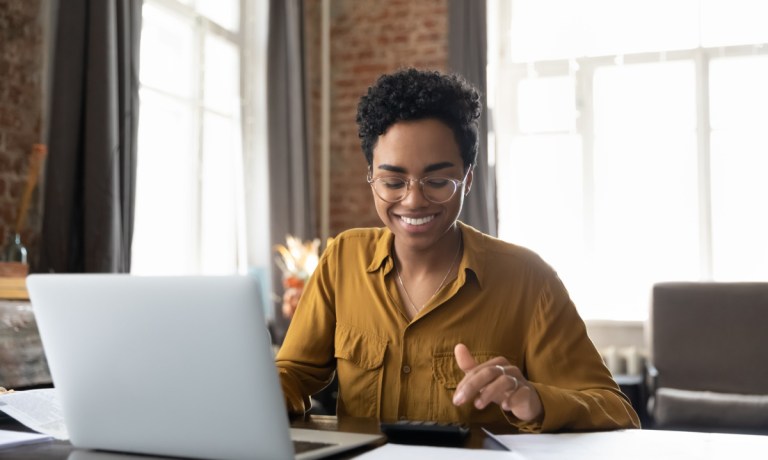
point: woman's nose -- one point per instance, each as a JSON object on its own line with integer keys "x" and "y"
{"x": 415, "y": 197}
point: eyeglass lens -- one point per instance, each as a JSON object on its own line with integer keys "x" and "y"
{"x": 435, "y": 189}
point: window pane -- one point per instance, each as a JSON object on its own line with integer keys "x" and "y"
{"x": 557, "y": 29}
{"x": 645, "y": 175}
{"x": 656, "y": 97}
{"x": 540, "y": 192}
{"x": 221, "y": 153}
{"x": 739, "y": 145}
{"x": 167, "y": 51}
{"x": 630, "y": 26}
{"x": 734, "y": 22}
{"x": 222, "y": 76}
{"x": 189, "y": 190}
{"x": 544, "y": 29}
{"x": 739, "y": 93}
{"x": 166, "y": 198}
{"x": 546, "y": 104}
{"x": 739, "y": 203}
{"x": 226, "y": 13}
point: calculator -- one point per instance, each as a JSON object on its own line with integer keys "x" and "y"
{"x": 425, "y": 432}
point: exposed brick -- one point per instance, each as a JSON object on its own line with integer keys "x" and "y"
{"x": 20, "y": 111}
{"x": 7, "y": 214}
{"x": 368, "y": 38}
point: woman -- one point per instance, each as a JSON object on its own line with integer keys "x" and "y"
{"x": 428, "y": 318}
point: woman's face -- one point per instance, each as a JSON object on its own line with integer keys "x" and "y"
{"x": 413, "y": 150}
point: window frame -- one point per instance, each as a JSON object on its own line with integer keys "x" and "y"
{"x": 204, "y": 27}
{"x": 502, "y": 71}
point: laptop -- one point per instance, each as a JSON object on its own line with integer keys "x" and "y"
{"x": 173, "y": 366}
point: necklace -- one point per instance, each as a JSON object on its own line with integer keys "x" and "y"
{"x": 408, "y": 296}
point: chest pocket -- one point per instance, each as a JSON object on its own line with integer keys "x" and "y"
{"x": 446, "y": 376}
{"x": 359, "y": 358}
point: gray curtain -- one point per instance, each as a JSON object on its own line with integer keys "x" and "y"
{"x": 467, "y": 45}
{"x": 290, "y": 172}
{"x": 90, "y": 173}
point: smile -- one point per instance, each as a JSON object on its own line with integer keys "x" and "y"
{"x": 417, "y": 221}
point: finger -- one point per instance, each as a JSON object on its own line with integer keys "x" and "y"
{"x": 524, "y": 403}
{"x": 464, "y": 358}
{"x": 476, "y": 380}
{"x": 466, "y": 363}
{"x": 498, "y": 390}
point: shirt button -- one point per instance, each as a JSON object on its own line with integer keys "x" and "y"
{"x": 406, "y": 369}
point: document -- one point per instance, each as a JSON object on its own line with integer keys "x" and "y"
{"x": 608, "y": 445}
{"x": 39, "y": 410}
{"x": 409, "y": 452}
{"x": 16, "y": 438}
{"x": 636, "y": 444}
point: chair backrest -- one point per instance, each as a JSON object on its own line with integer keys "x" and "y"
{"x": 711, "y": 336}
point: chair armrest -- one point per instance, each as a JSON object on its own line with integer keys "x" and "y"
{"x": 651, "y": 385}
{"x": 651, "y": 378}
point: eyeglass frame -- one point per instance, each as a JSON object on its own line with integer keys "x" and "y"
{"x": 408, "y": 181}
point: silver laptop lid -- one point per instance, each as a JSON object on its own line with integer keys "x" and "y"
{"x": 178, "y": 366}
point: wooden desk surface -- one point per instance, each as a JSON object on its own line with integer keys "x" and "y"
{"x": 64, "y": 450}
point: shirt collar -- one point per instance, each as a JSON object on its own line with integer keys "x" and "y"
{"x": 472, "y": 259}
{"x": 382, "y": 255}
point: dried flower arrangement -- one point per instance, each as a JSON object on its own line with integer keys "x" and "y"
{"x": 297, "y": 260}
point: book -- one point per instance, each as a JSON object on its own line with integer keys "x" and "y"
{"x": 14, "y": 288}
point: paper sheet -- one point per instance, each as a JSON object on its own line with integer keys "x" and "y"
{"x": 636, "y": 444}
{"x": 37, "y": 409}
{"x": 16, "y": 438}
{"x": 404, "y": 452}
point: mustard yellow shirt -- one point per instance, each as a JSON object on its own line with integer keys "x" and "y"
{"x": 505, "y": 301}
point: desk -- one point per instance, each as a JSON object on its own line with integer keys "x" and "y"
{"x": 634, "y": 444}
{"x": 61, "y": 450}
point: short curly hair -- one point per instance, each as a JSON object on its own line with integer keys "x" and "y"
{"x": 412, "y": 94}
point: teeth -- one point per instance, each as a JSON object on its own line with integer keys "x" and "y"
{"x": 419, "y": 221}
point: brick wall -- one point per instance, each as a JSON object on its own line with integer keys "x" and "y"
{"x": 368, "y": 38}
{"x": 21, "y": 76}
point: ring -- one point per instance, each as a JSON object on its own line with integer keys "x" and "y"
{"x": 514, "y": 379}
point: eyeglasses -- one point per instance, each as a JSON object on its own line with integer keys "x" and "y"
{"x": 436, "y": 189}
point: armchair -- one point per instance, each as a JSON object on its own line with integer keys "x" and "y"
{"x": 709, "y": 357}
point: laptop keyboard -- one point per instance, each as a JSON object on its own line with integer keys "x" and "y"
{"x": 307, "y": 446}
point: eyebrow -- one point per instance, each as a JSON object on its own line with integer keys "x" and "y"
{"x": 430, "y": 168}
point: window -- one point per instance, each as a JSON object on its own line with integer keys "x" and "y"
{"x": 630, "y": 142}
{"x": 190, "y": 202}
